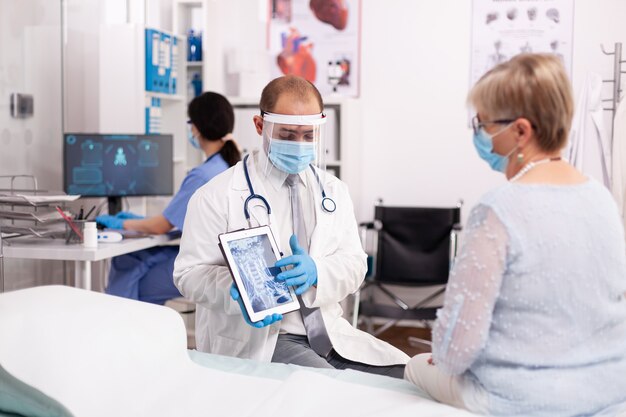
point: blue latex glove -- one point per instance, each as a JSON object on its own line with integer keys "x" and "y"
{"x": 304, "y": 272}
{"x": 128, "y": 215}
{"x": 234, "y": 293}
{"x": 110, "y": 222}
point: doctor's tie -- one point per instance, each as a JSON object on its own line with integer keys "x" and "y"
{"x": 312, "y": 317}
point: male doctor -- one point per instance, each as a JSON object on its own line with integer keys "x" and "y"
{"x": 324, "y": 261}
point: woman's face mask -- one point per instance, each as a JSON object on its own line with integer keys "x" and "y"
{"x": 483, "y": 142}
{"x": 290, "y": 156}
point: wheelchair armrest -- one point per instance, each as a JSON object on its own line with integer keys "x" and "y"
{"x": 373, "y": 225}
{"x": 367, "y": 225}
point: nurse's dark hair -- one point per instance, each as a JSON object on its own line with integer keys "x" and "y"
{"x": 295, "y": 86}
{"x": 213, "y": 115}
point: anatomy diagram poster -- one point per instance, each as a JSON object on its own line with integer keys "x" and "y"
{"x": 502, "y": 29}
{"x": 317, "y": 40}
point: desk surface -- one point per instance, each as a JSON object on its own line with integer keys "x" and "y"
{"x": 56, "y": 249}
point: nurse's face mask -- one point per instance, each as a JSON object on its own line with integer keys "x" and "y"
{"x": 483, "y": 142}
{"x": 191, "y": 138}
{"x": 294, "y": 142}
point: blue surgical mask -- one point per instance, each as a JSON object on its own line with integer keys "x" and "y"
{"x": 193, "y": 140}
{"x": 483, "y": 142}
{"x": 291, "y": 157}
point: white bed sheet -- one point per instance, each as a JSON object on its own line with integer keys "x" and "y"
{"x": 101, "y": 355}
{"x": 281, "y": 372}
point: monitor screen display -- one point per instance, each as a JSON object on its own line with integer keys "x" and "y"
{"x": 118, "y": 165}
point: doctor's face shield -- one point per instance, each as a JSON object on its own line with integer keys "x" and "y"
{"x": 293, "y": 142}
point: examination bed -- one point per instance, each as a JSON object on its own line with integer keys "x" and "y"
{"x": 100, "y": 355}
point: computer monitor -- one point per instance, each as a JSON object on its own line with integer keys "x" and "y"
{"x": 116, "y": 166}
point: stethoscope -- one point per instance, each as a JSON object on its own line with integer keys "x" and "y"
{"x": 328, "y": 204}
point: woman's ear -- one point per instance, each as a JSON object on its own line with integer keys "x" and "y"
{"x": 258, "y": 124}
{"x": 524, "y": 131}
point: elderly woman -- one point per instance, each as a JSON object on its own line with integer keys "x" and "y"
{"x": 534, "y": 317}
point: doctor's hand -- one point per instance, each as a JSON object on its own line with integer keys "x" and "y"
{"x": 128, "y": 215}
{"x": 110, "y": 222}
{"x": 234, "y": 293}
{"x": 304, "y": 272}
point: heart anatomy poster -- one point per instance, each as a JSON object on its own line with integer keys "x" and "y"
{"x": 318, "y": 40}
{"x": 502, "y": 29}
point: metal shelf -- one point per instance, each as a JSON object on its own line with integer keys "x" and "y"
{"x": 164, "y": 96}
{"x": 43, "y": 218}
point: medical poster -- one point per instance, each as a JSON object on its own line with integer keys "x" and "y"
{"x": 502, "y": 29}
{"x": 317, "y": 40}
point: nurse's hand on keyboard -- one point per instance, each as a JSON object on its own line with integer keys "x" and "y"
{"x": 110, "y": 222}
{"x": 128, "y": 215}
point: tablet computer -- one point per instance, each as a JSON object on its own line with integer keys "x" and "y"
{"x": 251, "y": 255}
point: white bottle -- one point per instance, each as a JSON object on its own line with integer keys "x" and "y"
{"x": 90, "y": 235}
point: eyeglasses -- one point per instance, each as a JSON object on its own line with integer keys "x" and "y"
{"x": 477, "y": 124}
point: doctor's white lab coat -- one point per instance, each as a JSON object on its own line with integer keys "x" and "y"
{"x": 201, "y": 275}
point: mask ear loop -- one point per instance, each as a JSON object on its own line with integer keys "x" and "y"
{"x": 500, "y": 132}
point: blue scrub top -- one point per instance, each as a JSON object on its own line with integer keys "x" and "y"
{"x": 197, "y": 177}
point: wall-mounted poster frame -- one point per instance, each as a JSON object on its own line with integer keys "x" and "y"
{"x": 319, "y": 40}
{"x": 502, "y": 29}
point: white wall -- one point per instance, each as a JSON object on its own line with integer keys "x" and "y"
{"x": 159, "y": 14}
{"x": 81, "y": 59}
{"x": 30, "y": 62}
{"x": 234, "y": 39}
{"x": 31, "y": 42}
{"x": 414, "y": 77}
{"x": 417, "y": 146}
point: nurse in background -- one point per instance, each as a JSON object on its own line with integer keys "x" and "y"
{"x": 146, "y": 275}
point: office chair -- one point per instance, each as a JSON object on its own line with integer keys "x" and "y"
{"x": 415, "y": 248}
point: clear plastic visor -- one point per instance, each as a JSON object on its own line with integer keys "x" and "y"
{"x": 293, "y": 142}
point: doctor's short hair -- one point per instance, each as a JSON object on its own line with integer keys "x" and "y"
{"x": 298, "y": 87}
{"x": 532, "y": 86}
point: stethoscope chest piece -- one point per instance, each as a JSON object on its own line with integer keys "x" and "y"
{"x": 329, "y": 205}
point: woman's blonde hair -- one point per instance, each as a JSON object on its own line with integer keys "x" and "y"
{"x": 532, "y": 86}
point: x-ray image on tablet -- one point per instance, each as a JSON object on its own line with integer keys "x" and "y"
{"x": 251, "y": 255}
